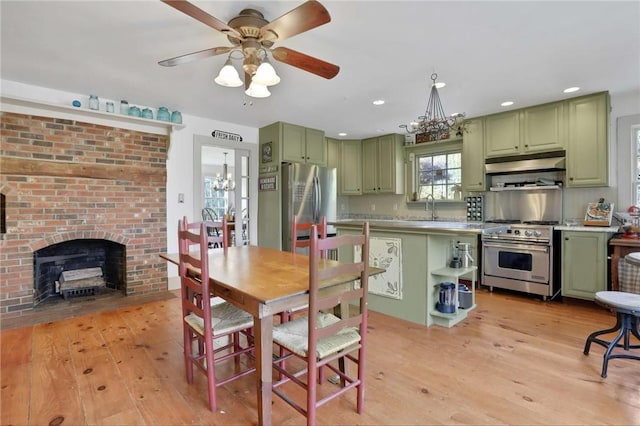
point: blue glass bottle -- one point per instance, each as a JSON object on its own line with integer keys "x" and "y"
{"x": 176, "y": 117}
{"x": 163, "y": 114}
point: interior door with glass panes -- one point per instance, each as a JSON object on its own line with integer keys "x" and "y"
{"x": 242, "y": 197}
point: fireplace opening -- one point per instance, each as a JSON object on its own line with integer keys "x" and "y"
{"x": 78, "y": 268}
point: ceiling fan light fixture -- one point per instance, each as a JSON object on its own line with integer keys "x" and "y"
{"x": 256, "y": 90}
{"x": 266, "y": 74}
{"x": 228, "y": 76}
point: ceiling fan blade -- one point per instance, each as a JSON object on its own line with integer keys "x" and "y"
{"x": 303, "y": 18}
{"x": 183, "y": 59}
{"x": 305, "y": 62}
{"x": 202, "y": 16}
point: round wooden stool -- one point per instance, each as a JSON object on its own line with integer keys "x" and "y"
{"x": 627, "y": 308}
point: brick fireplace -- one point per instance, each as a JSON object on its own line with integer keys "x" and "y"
{"x": 70, "y": 181}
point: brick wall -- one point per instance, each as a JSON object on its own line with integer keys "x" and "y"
{"x": 66, "y": 180}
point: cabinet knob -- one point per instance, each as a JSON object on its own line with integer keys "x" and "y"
{"x": 566, "y": 238}
{"x": 570, "y": 178}
{"x": 526, "y": 146}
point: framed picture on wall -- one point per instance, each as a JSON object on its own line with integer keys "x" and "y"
{"x": 267, "y": 152}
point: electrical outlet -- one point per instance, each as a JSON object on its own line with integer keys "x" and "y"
{"x": 395, "y": 206}
{"x": 181, "y": 197}
{"x": 373, "y": 207}
{"x": 342, "y": 207}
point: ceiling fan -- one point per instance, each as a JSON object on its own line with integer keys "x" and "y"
{"x": 253, "y": 35}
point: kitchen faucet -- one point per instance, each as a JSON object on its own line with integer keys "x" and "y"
{"x": 433, "y": 205}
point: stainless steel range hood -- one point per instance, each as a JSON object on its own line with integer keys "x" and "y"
{"x": 550, "y": 161}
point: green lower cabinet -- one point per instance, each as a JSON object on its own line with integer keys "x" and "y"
{"x": 415, "y": 264}
{"x": 584, "y": 263}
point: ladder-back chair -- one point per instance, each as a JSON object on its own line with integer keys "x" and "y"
{"x": 203, "y": 322}
{"x": 321, "y": 338}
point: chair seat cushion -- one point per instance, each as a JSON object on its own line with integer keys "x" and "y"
{"x": 620, "y": 300}
{"x": 225, "y": 318}
{"x": 293, "y": 335}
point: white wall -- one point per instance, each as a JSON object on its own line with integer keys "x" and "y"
{"x": 180, "y": 156}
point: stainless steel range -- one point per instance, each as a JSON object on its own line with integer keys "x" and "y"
{"x": 521, "y": 258}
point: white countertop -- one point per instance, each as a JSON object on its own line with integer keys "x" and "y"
{"x": 582, "y": 228}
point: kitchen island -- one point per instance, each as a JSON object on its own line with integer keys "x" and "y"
{"x": 416, "y": 255}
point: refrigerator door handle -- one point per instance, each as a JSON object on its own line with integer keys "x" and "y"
{"x": 317, "y": 200}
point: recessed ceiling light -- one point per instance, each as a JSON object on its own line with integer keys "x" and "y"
{"x": 456, "y": 114}
{"x": 378, "y": 102}
{"x": 571, "y": 89}
{"x": 342, "y": 134}
{"x": 507, "y": 103}
{"x": 440, "y": 84}
{"x": 380, "y": 130}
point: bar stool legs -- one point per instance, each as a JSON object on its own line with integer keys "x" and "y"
{"x": 627, "y": 323}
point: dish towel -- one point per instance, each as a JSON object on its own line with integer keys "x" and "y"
{"x": 628, "y": 277}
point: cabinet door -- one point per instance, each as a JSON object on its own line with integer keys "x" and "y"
{"x": 543, "y": 128}
{"x": 502, "y": 134}
{"x": 587, "y": 159}
{"x": 584, "y": 264}
{"x": 293, "y": 143}
{"x": 316, "y": 148}
{"x": 369, "y": 166}
{"x": 333, "y": 154}
{"x": 351, "y": 167}
{"x": 386, "y": 168}
{"x": 473, "y": 176}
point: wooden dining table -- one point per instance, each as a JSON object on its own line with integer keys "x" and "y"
{"x": 263, "y": 282}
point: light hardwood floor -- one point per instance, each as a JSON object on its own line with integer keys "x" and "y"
{"x": 515, "y": 360}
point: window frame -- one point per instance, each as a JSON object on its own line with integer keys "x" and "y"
{"x": 434, "y": 149}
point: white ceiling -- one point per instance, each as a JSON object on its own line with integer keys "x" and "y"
{"x": 486, "y": 52}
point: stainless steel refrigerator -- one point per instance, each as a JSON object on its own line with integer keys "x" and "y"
{"x": 309, "y": 192}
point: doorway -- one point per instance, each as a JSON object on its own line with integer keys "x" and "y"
{"x": 233, "y": 193}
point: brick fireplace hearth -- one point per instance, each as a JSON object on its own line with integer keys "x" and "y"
{"x": 65, "y": 180}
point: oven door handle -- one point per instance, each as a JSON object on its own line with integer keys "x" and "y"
{"x": 543, "y": 249}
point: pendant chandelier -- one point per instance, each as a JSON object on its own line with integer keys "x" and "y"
{"x": 224, "y": 182}
{"x": 259, "y": 73}
{"x": 434, "y": 124}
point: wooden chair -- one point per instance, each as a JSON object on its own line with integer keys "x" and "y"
{"x": 210, "y": 215}
{"x": 321, "y": 338}
{"x": 203, "y": 322}
{"x": 297, "y": 228}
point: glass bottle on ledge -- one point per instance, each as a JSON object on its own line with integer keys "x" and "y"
{"x": 94, "y": 103}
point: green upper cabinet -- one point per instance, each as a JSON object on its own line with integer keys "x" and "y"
{"x": 303, "y": 145}
{"x": 544, "y": 128}
{"x": 587, "y": 153}
{"x": 537, "y": 129}
{"x": 333, "y": 153}
{"x": 382, "y": 165}
{"x": 473, "y": 176}
{"x": 350, "y": 171}
{"x": 502, "y": 134}
{"x": 295, "y": 144}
